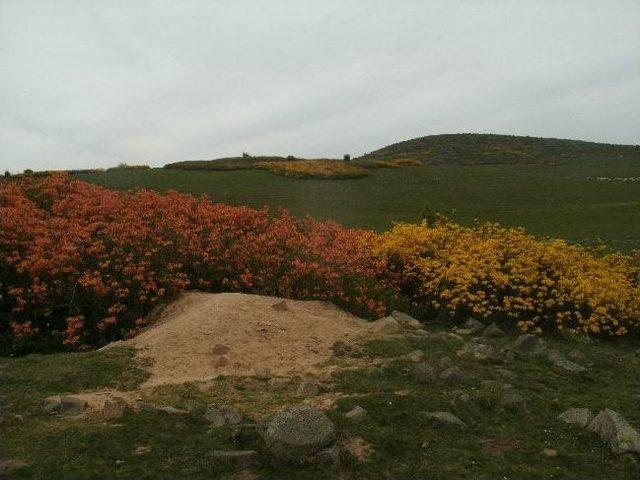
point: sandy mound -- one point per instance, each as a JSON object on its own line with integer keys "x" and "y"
{"x": 202, "y": 335}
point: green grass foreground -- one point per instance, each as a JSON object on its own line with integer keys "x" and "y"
{"x": 558, "y": 201}
{"x": 498, "y": 443}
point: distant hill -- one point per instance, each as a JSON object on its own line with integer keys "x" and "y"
{"x": 474, "y": 149}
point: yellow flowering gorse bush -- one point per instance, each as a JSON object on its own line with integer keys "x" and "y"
{"x": 505, "y": 275}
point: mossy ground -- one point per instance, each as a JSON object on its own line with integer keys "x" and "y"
{"x": 498, "y": 442}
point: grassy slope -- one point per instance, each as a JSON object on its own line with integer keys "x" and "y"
{"x": 405, "y": 445}
{"x": 472, "y": 149}
{"x": 556, "y": 201}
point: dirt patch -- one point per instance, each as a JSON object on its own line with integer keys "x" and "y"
{"x": 202, "y": 335}
{"x": 358, "y": 448}
{"x": 497, "y": 446}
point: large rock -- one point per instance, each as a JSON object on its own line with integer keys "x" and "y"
{"x": 577, "y": 416}
{"x": 405, "y": 319}
{"x": 297, "y": 434}
{"x": 614, "y": 429}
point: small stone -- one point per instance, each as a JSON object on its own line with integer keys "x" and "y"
{"x": 466, "y": 399}
{"x": 493, "y": 331}
{"x": 455, "y": 336}
{"x": 280, "y": 306}
{"x": 554, "y": 356}
{"x": 493, "y": 384}
{"x": 308, "y": 389}
{"x": 222, "y": 416}
{"x": 356, "y": 413}
{"x": 405, "y": 319}
{"x": 479, "y": 351}
{"x": 474, "y": 325}
{"x": 262, "y": 373}
{"x": 119, "y": 462}
{"x": 528, "y": 345}
{"x": 576, "y": 355}
{"x": 577, "y": 416}
{"x": 244, "y": 458}
{"x": 385, "y": 325}
{"x": 171, "y": 410}
{"x": 562, "y": 365}
{"x": 421, "y": 332}
{"x": 142, "y": 450}
{"x": 72, "y": 406}
{"x": 445, "y": 362}
{"x": 415, "y": 356}
{"x": 426, "y": 373}
{"x": 606, "y": 359}
{"x": 614, "y": 429}
{"x": 550, "y": 452}
{"x": 446, "y": 419}
{"x": 464, "y": 331}
{"x": 506, "y": 373}
{"x": 453, "y": 375}
{"x": 113, "y": 408}
{"x": 513, "y": 401}
{"x": 279, "y": 383}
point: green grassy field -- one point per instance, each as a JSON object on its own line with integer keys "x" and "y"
{"x": 499, "y": 442}
{"x": 557, "y": 201}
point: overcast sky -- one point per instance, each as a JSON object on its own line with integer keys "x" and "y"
{"x": 92, "y": 83}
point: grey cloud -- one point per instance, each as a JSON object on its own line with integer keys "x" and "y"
{"x": 89, "y": 83}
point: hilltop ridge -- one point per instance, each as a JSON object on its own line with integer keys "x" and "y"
{"x": 480, "y": 148}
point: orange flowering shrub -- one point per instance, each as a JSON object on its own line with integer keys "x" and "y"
{"x": 81, "y": 265}
{"x": 508, "y": 276}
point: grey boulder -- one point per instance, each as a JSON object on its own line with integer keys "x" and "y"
{"x": 297, "y": 434}
{"x": 614, "y": 429}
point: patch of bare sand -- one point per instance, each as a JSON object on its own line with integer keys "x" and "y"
{"x": 202, "y": 335}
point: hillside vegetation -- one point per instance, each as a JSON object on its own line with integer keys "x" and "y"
{"x": 326, "y": 169}
{"x": 82, "y": 265}
{"x": 473, "y": 149}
